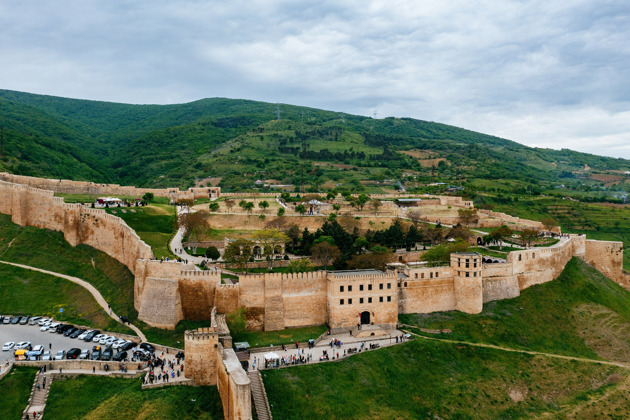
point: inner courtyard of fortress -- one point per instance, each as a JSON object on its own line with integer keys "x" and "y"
{"x": 167, "y": 292}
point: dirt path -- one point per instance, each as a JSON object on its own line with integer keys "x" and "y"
{"x": 97, "y": 295}
{"x": 533, "y": 353}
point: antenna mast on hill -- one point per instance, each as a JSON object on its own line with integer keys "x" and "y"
{"x": 277, "y": 111}
{"x": 375, "y": 114}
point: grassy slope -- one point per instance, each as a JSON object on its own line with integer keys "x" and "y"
{"x": 155, "y": 224}
{"x": 581, "y": 313}
{"x": 47, "y": 249}
{"x": 15, "y": 389}
{"x": 288, "y": 336}
{"x": 26, "y": 292}
{"x": 88, "y": 397}
{"x": 432, "y": 380}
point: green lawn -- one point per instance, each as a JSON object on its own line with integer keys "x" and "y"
{"x": 173, "y": 338}
{"x": 15, "y": 389}
{"x": 48, "y": 250}
{"x": 428, "y": 379}
{"x": 487, "y": 252}
{"x": 26, "y": 292}
{"x": 155, "y": 224}
{"x": 115, "y": 398}
{"x": 276, "y": 338}
{"x": 581, "y": 313}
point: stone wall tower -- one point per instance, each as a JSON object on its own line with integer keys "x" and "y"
{"x": 467, "y": 281}
{"x": 201, "y": 356}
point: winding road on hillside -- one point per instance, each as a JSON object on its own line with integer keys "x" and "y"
{"x": 93, "y": 290}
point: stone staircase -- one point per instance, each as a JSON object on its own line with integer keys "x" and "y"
{"x": 259, "y": 396}
{"x": 37, "y": 400}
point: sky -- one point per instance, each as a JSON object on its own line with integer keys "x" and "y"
{"x": 545, "y": 73}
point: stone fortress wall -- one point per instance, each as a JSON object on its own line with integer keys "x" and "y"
{"x": 167, "y": 292}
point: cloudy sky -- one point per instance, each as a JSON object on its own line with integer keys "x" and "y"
{"x": 544, "y": 73}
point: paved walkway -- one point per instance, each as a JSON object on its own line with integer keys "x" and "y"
{"x": 348, "y": 342}
{"x": 97, "y": 295}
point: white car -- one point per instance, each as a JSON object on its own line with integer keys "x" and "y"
{"x": 46, "y": 355}
{"x": 53, "y": 327}
{"x": 103, "y": 339}
{"x": 23, "y": 345}
{"x": 45, "y": 328}
{"x": 84, "y": 334}
{"x": 8, "y": 346}
{"x": 34, "y": 320}
{"x": 116, "y": 344}
{"x": 44, "y": 321}
{"x": 110, "y": 341}
{"x": 97, "y": 337}
{"x": 60, "y": 355}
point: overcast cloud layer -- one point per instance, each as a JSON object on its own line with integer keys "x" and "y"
{"x": 544, "y": 73}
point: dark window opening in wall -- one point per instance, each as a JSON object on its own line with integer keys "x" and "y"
{"x": 380, "y": 286}
{"x": 405, "y": 284}
{"x": 475, "y": 265}
{"x": 389, "y": 285}
{"x": 416, "y": 275}
{"x": 467, "y": 265}
{"x": 467, "y": 260}
{"x": 349, "y": 301}
{"x": 475, "y": 274}
{"x": 437, "y": 275}
{"x": 349, "y": 288}
{"x": 534, "y": 255}
{"x": 431, "y": 275}
{"x": 389, "y": 298}
{"x": 360, "y": 300}
{"x": 369, "y": 300}
{"x": 380, "y": 299}
{"x": 398, "y": 284}
{"x": 369, "y": 287}
{"x": 341, "y": 301}
{"x": 422, "y": 275}
{"x": 467, "y": 274}
{"x": 519, "y": 257}
{"x": 341, "y": 288}
{"x": 361, "y": 287}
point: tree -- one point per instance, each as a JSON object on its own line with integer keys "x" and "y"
{"x": 186, "y": 203}
{"x": 528, "y": 235}
{"x": 229, "y": 204}
{"x": 281, "y": 212}
{"x": 248, "y": 206}
{"x": 301, "y": 265}
{"x": 330, "y": 196}
{"x": 375, "y": 203}
{"x": 270, "y": 240}
{"x": 196, "y": 227}
{"x": 467, "y": 216}
{"x": 441, "y": 254}
{"x": 237, "y": 321}
{"x": 263, "y": 205}
{"x": 300, "y": 208}
{"x": 238, "y": 253}
{"x": 336, "y": 207}
{"x": 549, "y": 223}
{"x": 362, "y": 199}
{"x": 214, "y": 206}
{"x": 213, "y": 253}
{"x": 325, "y": 253}
{"x": 148, "y": 197}
{"x": 360, "y": 243}
{"x": 415, "y": 216}
{"x": 500, "y": 234}
{"x": 377, "y": 259}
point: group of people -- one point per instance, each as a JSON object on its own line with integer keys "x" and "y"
{"x": 165, "y": 369}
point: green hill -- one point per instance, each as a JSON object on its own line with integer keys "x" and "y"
{"x": 241, "y": 141}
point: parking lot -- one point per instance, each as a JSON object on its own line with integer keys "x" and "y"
{"x": 17, "y": 333}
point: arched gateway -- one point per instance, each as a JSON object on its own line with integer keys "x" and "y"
{"x": 365, "y": 317}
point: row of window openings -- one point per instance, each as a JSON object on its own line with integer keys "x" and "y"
{"x": 459, "y": 264}
{"x": 380, "y": 286}
{"x": 369, "y": 300}
{"x": 459, "y": 273}
{"x": 430, "y": 275}
{"x": 520, "y": 256}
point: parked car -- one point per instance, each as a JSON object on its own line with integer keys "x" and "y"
{"x": 148, "y": 347}
{"x": 34, "y": 320}
{"x": 96, "y": 354}
{"x": 60, "y": 355}
{"x": 36, "y": 353}
{"x": 103, "y": 339}
{"x": 128, "y": 345}
{"x": 44, "y": 328}
{"x": 24, "y": 320}
{"x": 8, "y": 346}
{"x": 7, "y": 319}
{"x": 15, "y": 320}
{"x": 63, "y": 328}
{"x": 69, "y": 331}
{"x": 120, "y": 356}
{"x": 107, "y": 354}
{"x": 77, "y": 333}
{"x": 84, "y": 334}
{"x": 53, "y": 327}
{"x": 85, "y": 354}
{"x": 44, "y": 321}
{"x": 46, "y": 355}
{"x": 24, "y": 345}
{"x": 73, "y": 353}
{"x": 142, "y": 355}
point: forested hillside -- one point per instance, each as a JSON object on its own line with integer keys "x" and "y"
{"x": 242, "y": 141}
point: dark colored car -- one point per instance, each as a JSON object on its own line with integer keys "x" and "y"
{"x": 77, "y": 333}
{"x": 96, "y": 354}
{"x": 91, "y": 335}
{"x": 127, "y": 346}
{"x": 107, "y": 354}
{"x": 120, "y": 356}
{"x": 148, "y": 347}
{"x": 15, "y": 320}
{"x": 69, "y": 331}
{"x": 73, "y": 353}
{"x": 63, "y": 328}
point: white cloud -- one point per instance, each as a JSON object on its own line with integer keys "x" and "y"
{"x": 543, "y": 72}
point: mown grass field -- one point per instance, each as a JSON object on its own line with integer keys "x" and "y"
{"x": 155, "y": 224}
{"x": 427, "y": 379}
{"x": 581, "y": 313}
{"x": 173, "y": 338}
{"x": 90, "y": 397}
{"x": 276, "y": 338}
{"x": 26, "y": 292}
{"x": 15, "y": 388}
{"x": 48, "y": 250}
